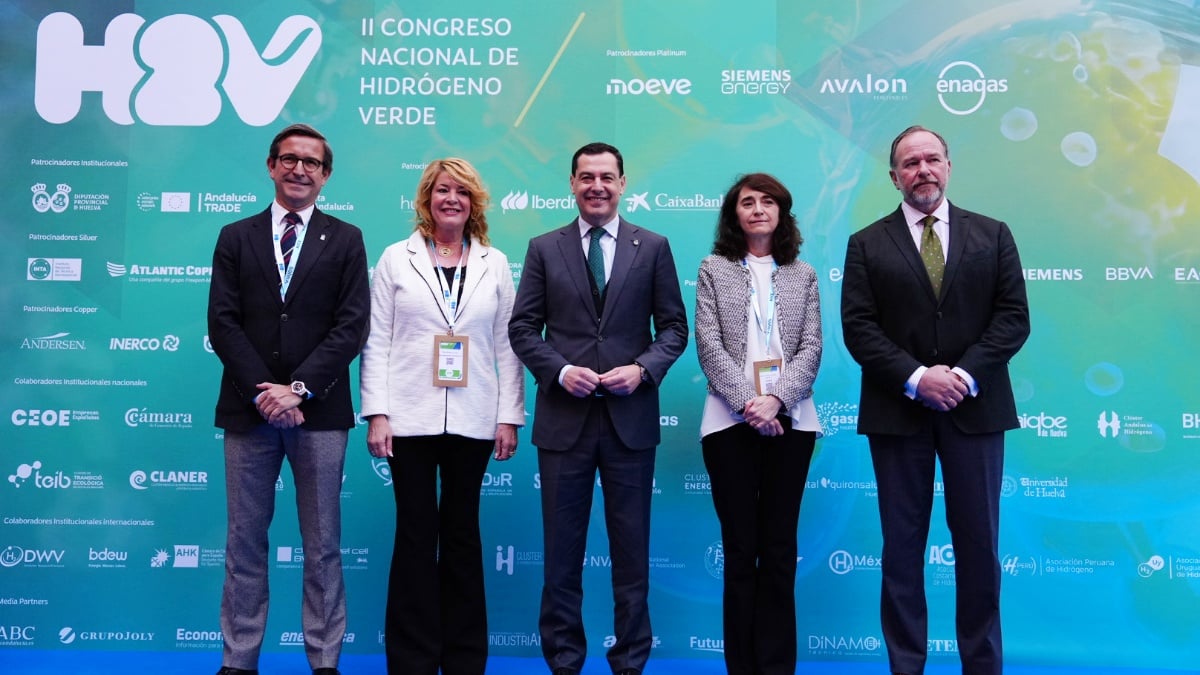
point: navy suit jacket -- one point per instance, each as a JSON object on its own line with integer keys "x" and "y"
{"x": 312, "y": 336}
{"x": 892, "y": 322}
{"x": 554, "y": 323}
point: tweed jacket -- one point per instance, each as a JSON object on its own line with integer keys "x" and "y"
{"x": 396, "y": 368}
{"x": 722, "y": 318}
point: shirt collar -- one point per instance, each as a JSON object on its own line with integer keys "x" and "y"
{"x": 278, "y": 211}
{"x": 585, "y": 228}
{"x": 914, "y": 217}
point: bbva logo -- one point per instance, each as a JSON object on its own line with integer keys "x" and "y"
{"x": 172, "y": 71}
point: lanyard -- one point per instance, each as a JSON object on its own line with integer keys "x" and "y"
{"x": 766, "y": 327}
{"x": 450, "y": 295}
{"x": 286, "y": 273}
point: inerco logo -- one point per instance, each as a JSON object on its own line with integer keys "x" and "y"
{"x": 653, "y": 86}
{"x": 168, "y": 343}
{"x": 962, "y": 87}
{"x": 171, "y": 72}
{"x": 43, "y": 201}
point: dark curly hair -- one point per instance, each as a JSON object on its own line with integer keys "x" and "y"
{"x": 731, "y": 241}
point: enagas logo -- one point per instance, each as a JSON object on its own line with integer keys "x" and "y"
{"x": 174, "y": 71}
{"x": 962, "y": 87}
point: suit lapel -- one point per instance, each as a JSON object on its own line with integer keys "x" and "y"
{"x": 627, "y": 249}
{"x": 897, "y": 229}
{"x": 571, "y": 249}
{"x": 960, "y": 226}
{"x": 418, "y": 257}
{"x": 317, "y": 237}
{"x": 476, "y": 268}
{"x": 262, "y": 246}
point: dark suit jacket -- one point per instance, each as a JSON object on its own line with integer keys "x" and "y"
{"x": 554, "y": 323}
{"x": 312, "y": 337}
{"x": 892, "y": 323}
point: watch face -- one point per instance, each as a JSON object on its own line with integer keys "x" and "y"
{"x": 298, "y": 388}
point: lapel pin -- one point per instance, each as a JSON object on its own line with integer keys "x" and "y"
{"x": 636, "y": 242}
{"x": 322, "y": 237}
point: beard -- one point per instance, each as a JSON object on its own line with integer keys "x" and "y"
{"x": 925, "y": 197}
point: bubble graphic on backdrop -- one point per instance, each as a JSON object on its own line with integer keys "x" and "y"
{"x": 1018, "y": 124}
{"x": 1151, "y": 439}
{"x": 1104, "y": 379}
{"x": 1079, "y": 148}
{"x": 1080, "y": 73}
{"x": 1022, "y": 389}
{"x": 1067, "y": 47}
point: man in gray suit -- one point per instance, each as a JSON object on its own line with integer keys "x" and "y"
{"x": 598, "y": 320}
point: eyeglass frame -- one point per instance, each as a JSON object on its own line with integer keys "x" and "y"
{"x": 306, "y": 162}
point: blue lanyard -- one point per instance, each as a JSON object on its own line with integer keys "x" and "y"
{"x": 764, "y": 327}
{"x": 450, "y": 295}
{"x": 286, "y": 273}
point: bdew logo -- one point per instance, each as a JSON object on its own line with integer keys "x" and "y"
{"x": 962, "y": 87}
{"x": 174, "y": 71}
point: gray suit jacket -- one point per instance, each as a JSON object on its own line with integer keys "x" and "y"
{"x": 554, "y": 323}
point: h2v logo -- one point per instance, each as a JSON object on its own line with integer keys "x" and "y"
{"x": 172, "y": 71}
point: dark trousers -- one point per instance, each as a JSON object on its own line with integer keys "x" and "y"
{"x": 757, "y": 484}
{"x": 972, "y": 472}
{"x": 436, "y": 614}
{"x": 568, "y": 481}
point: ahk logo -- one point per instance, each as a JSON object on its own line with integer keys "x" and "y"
{"x": 1108, "y": 426}
{"x": 187, "y": 68}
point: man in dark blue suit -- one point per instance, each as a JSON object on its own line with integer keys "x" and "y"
{"x": 933, "y": 309}
{"x": 288, "y": 311}
{"x": 598, "y": 320}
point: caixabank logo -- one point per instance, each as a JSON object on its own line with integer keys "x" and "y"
{"x": 173, "y": 71}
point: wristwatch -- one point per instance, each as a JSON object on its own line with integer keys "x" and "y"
{"x": 642, "y": 371}
{"x": 300, "y": 390}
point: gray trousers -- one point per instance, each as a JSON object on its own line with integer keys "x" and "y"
{"x": 253, "y": 460}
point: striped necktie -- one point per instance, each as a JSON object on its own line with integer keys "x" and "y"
{"x": 287, "y": 241}
{"x": 596, "y": 257}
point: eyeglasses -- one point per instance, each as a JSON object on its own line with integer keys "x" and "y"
{"x": 310, "y": 164}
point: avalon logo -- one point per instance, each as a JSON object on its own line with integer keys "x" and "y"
{"x": 171, "y": 72}
{"x": 962, "y": 87}
{"x": 43, "y": 201}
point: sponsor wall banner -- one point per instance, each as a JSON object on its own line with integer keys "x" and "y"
{"x": 134, "y": 133}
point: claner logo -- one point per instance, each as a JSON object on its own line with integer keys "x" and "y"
{"x": 174, "y": 71}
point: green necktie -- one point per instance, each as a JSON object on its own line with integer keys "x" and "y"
{"x": 931, "y": 254}
{"x": 596, "y": 257}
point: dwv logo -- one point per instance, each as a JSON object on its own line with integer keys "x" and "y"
{"x": 171, "y": 72}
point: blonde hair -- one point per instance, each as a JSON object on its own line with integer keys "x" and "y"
{"x": 462, "y": 171}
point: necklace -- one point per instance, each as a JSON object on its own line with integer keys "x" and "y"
{"x": 445, "y": 250}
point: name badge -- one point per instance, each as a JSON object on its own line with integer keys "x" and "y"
{"x": 450, "y": 360}
{"x": 766, "y": 375}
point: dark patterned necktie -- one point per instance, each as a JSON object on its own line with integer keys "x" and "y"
{"x": 287, "y": 241}
{"x": 596, "y": 257}
{"x": 931, "y": 254}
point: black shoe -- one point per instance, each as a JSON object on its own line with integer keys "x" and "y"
{"x": 565, "y": 671}
{"x": 628, "y": 671}
{"x": 226, "y": 670}
{"x": 326, "y": 671}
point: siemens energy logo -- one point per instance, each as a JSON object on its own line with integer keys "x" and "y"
{"x": 174, "y": 71}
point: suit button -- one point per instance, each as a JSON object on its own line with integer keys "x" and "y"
{"x": 939, "y": 316}
{"x": 283, "y": 317}
{"x": 933, "y": 353}
{"x": 595, "y": 293}
{"x": 275, "y": 355}
{"x": 599, "y": 338}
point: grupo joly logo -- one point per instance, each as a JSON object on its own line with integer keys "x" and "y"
{"x": 962, "y": 87}
{"x": 174, "y": 71}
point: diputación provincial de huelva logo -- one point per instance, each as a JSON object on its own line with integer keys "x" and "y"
{"x": 173, "y": 71}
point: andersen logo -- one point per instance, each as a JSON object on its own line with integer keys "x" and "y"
{"x": 173, "y": 71}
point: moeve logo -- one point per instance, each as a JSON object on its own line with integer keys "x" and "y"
{"x": 964, "y": 92}
{"x": 652, "y": 86}
{"x": 190, "y": 64}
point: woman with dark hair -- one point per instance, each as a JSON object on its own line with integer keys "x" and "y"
{"x": 442, "y": 392}
{"x": 758, "y": 337}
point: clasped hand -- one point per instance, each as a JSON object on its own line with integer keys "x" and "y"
{"x": 581, "y": 381}
{"x": 278, "y": 405}
{"x": 941, "y": 389}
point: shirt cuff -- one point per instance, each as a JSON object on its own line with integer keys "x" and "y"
{"x": 910, "y": 387}
{"x": 972, "y": 386}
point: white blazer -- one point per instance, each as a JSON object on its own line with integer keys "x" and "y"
{"x": 407, "y": 310}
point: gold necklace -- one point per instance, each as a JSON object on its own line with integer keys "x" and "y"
{"x": 444, "y": 250}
